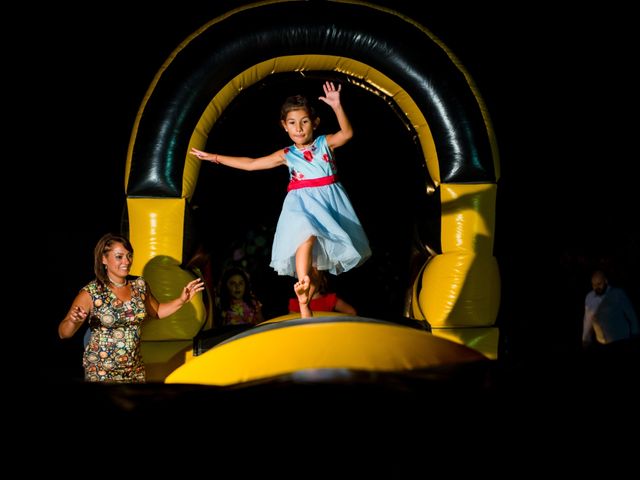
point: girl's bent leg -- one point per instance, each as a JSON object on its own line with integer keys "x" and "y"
{"x": 305, "y": 288}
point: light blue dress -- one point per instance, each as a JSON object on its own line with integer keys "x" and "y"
{"x": 323, "y": 211}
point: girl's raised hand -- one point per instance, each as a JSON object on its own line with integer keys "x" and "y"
{"x": 331, "y": 94}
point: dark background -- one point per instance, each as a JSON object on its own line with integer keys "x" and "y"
{"x": 557, "y": 85}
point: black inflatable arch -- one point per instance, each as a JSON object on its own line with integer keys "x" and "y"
{"x": 378, "y": 49}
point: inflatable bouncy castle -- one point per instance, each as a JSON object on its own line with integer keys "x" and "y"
{"x": 384, "y": 53}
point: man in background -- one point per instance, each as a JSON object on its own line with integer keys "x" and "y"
{"x": 608, "y": 313}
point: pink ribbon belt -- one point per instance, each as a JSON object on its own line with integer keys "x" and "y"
{"x": 312, "y": 182}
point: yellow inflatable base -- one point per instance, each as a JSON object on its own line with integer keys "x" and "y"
{"x": 335, "y": 342}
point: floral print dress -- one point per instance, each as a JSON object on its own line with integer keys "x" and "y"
{"x": 113, "y": 351}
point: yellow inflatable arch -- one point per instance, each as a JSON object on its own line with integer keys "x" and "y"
{"x": 382, "y": 51}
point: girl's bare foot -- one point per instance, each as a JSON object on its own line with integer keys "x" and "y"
{"x": 302, "y": 289}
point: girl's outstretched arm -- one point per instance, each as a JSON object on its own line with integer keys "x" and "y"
{"x": 243, "y": 163}
{"x": 332, "y": 98}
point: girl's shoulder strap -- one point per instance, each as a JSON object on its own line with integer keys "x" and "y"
{"x": 322, "y": 143}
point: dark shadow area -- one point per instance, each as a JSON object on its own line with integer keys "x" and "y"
{"x": 476, "y": 395}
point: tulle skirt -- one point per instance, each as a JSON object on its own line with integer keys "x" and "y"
{"x": 326, "y": 213}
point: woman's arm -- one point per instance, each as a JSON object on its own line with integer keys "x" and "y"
{"x": 76, "y": 315}
{"x": 156, "y": 309}
{"x": 242, "y": 163}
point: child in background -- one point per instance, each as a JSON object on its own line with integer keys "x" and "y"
{"x": 237, "y": 303}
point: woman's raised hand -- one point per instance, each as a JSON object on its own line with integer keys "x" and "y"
{"x": 190, "y": 290}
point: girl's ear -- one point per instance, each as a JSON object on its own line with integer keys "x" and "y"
{"x": 284, "y": 125}
{"x": 316, "y": 122}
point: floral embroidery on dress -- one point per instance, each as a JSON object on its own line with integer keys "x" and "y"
{"x": 295, "y": 176}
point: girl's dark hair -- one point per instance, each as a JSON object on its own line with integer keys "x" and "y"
{"x": 297, "y": 102}
{"x": 103, "y": 247}
{"x": 322, "y": 282}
